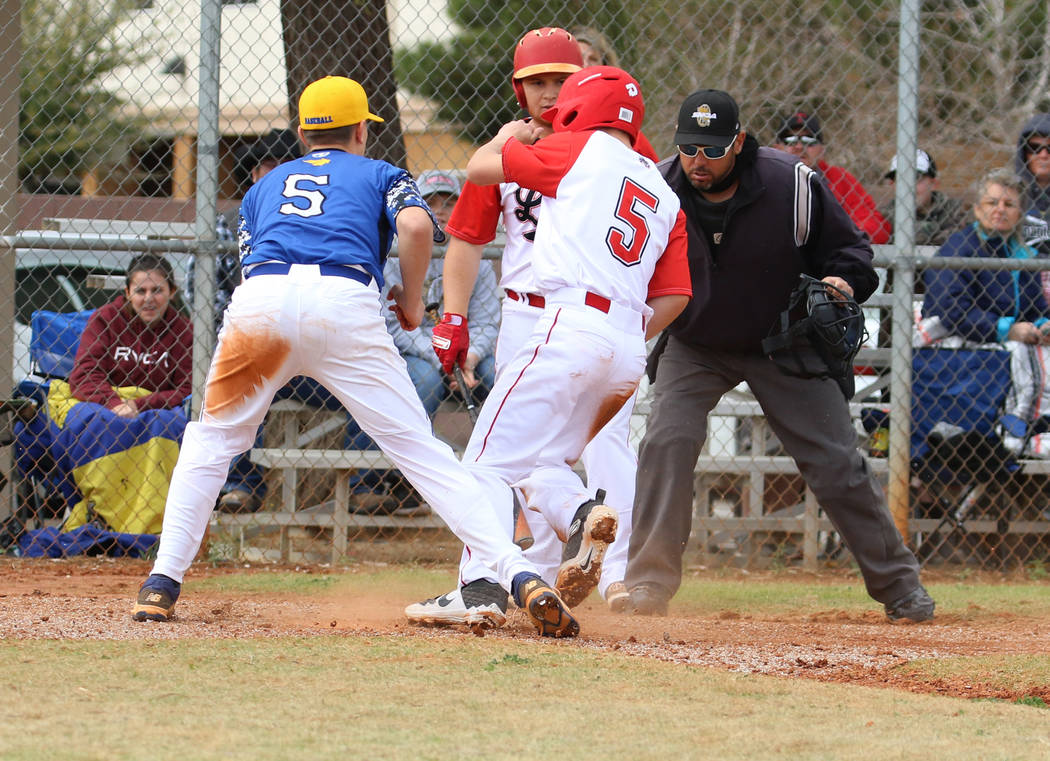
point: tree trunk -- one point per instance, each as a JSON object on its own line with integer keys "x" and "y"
{"x": 350, "y": 39}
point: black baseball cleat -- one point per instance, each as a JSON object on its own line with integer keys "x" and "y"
{"x": 548, "y": 613}
{"x": 647, "y": 600}
{"x": 915, "y": 606}
{"x": 592, "y": 530}
{"x": 156, "y": 600}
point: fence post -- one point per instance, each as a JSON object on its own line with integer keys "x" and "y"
{"x": 903, "y": 267}
{"x": 207, "y": 198}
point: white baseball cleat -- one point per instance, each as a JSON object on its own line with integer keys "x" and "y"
{"x": 479, "y": 604}
{"x": 592, "y": 530}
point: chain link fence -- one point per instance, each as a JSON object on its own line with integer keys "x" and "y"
{"x": 141, "y": 123}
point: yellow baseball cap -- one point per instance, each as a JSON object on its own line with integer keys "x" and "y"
{"x": 333, "y": 102}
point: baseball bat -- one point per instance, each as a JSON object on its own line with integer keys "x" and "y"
{"x": 522, "y": 533}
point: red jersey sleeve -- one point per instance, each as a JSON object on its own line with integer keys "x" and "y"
{"x": 645, "y": 148}
{"x": 476, "y": 214}
{"x": 542, "y": 166}
{"x": 671, "y": 275}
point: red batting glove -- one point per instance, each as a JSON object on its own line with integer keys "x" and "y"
{"x": 450, "y": 340}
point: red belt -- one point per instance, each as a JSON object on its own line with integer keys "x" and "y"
{"x": 593, "y": 300}
{"x": 532, "y": 299}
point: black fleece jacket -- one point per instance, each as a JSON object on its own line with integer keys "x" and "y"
{"x": 781, "y": 221}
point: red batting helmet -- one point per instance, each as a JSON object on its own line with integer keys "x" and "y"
{"x": 543, "y": 51}
{"x": 598, "y": 96}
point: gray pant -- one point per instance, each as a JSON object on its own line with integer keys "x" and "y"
{"x": 812, "y": 421}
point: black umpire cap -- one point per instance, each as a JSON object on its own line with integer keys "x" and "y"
{"x": 708, "y": 117}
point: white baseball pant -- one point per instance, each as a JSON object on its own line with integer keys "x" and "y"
{"x": 553, "y": 417}
{"x": 329, "y": 328}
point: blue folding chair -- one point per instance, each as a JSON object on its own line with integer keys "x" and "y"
{"x": 43, "y": 492}
{"x": 956, "y": 407}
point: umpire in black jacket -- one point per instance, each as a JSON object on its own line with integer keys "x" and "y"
{"x": 756, "y": 221}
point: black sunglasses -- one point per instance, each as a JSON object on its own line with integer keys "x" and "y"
{"x": 1036, "y": 148}
{"x": 709, "y": 151}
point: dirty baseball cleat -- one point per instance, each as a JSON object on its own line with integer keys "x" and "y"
{"x": 915, "y": 606}
{"x": 548, "y": 613}
{"x": 647, "y": 600}
{"x": 480, "y": 603}
{"x": 617, "y": 597}
{"x": 156, "y": 600}
{"x": 592, "y": 530}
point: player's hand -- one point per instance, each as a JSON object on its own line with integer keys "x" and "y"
{"x": 521, "y": 129}
{"x": 450, "y": 340}
{"x": 409, "y": 311}
{"x": 469, "y": 365}
{"x": 839, "y": 283}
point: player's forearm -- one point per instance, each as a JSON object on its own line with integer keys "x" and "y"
{"x": 486, "y": 165}
{"x": 462, "y": 260}
{"x": 414, "y": 246}
{"x": 665, "y": 309}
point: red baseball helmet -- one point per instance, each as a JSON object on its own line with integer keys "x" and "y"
{"x": 543, "y": 51}
{"x": 598, "y": 96}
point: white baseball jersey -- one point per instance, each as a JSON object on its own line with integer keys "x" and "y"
{"x": 477, "y": 215}
{"x": 606, "y": 237}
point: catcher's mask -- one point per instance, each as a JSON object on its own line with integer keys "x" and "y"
{"x": 818, "y": 335}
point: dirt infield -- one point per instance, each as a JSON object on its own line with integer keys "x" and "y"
{"x": 91, "y": 599}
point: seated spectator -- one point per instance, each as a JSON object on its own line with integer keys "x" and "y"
{"x": 440, "y": 190}
{"x": 936, "y": 215}
{"x": 385, "y": 491}
{"x": 115, "y": 426}
{"x": 802, "y": 136}
{"x": 988, "y": 306}
{"x": 971, "y": 308}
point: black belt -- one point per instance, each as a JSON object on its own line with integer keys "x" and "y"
{"x": 335, "y": 270}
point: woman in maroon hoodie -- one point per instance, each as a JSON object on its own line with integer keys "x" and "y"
{"x": 139, "y": 339}
{"x": 119, "y": 421}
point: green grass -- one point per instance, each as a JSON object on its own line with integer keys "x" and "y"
{"x": 386, "y": 697}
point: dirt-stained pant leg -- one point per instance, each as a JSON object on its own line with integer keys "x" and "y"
{"x": 548, "y": 400}
{"x": 609, "y": 461}
{"x": 812, "y": 420}
{"x": 256, "y": 355}
{"x": 687, "y": 387}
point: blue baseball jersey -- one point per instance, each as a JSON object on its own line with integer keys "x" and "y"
{"x": 328, "y": 207}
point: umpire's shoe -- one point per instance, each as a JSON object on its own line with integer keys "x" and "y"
{"x": 548, "y": 613}
{"x": 157, "y": 596}
{"x": 592, "y": 530}
{"x": 915, "y": 606}
{"x": 479, "y": 604}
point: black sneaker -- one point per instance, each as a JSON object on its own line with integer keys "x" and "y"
{"x": 548, "y": 613}
{"x": 915, "y": 606}
{"x": 647, "y": 600}
{"x": 156, "y": 600}
{"x": 592, "y": 530}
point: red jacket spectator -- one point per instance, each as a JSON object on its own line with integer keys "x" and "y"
{"x": 801, "y": 135}
{"x": 857, "y": 202}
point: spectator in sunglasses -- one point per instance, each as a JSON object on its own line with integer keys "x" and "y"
{"x": 1032, "y": 164}
{"x": 801, "y": 135}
